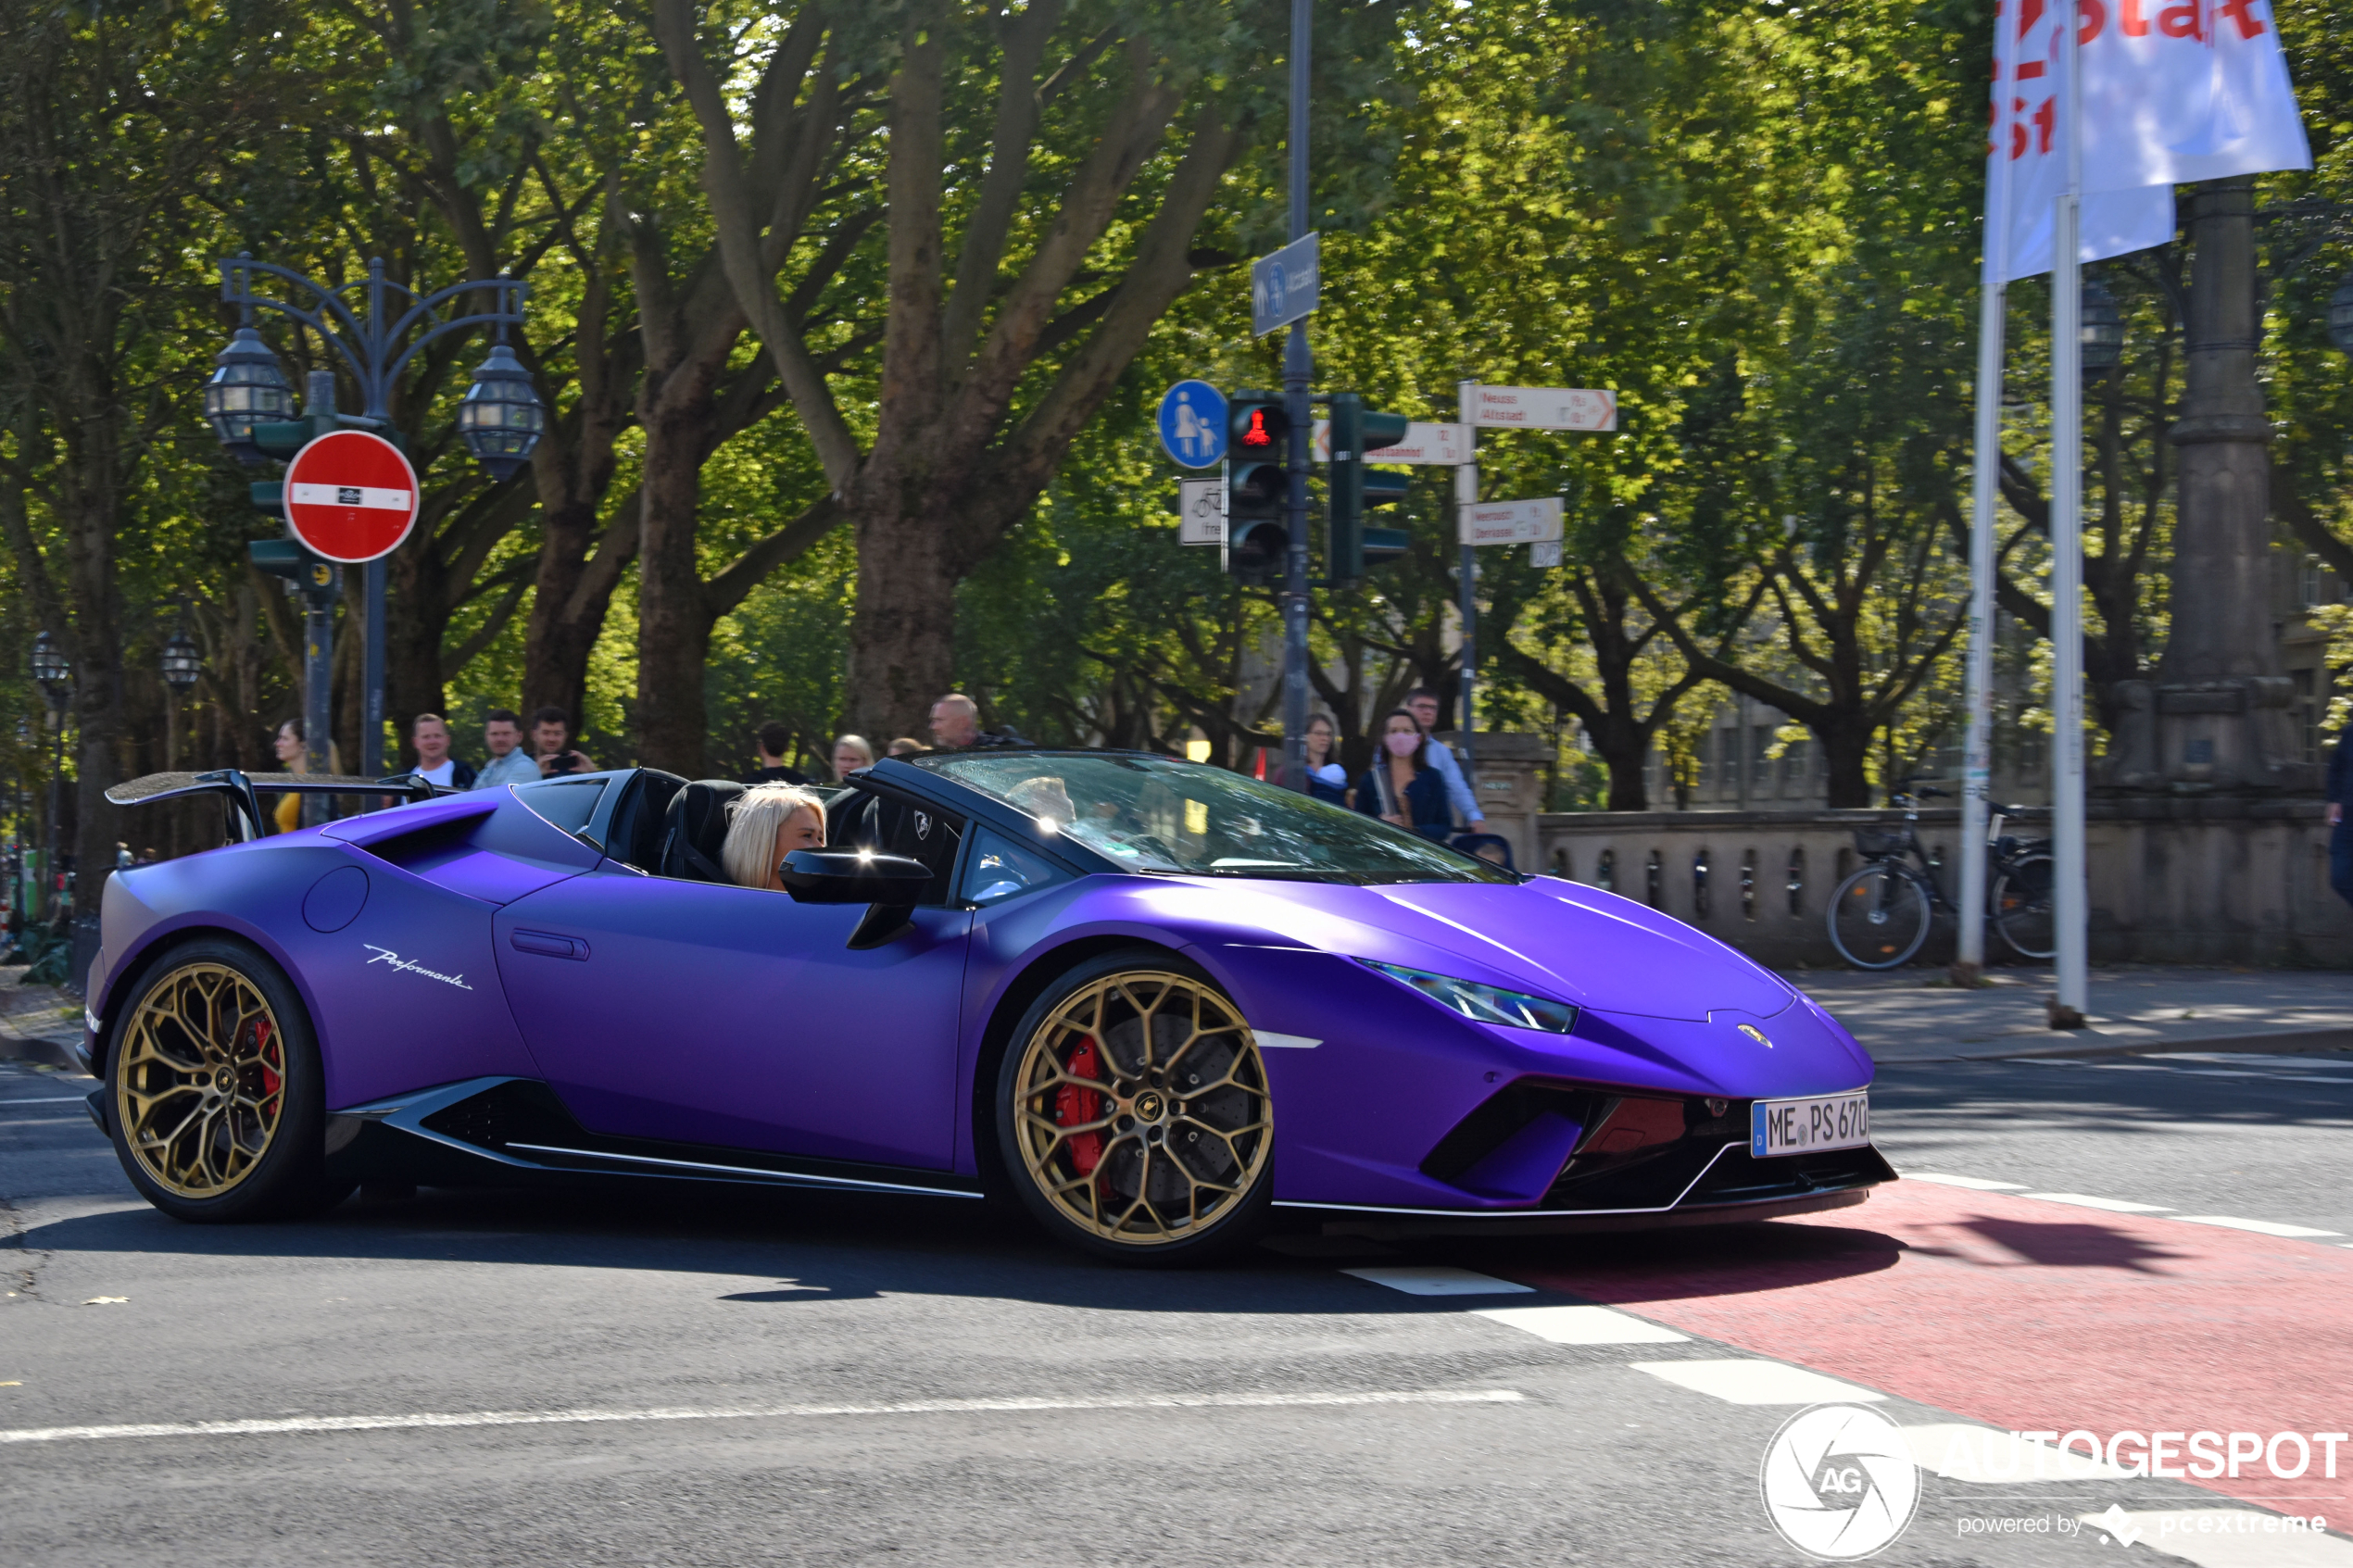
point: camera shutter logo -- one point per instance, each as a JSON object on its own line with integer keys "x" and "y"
{"x": 1839, "y": 1482}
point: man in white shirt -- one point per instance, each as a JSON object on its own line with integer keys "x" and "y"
{"x": 430, "y": 737}
{"x": 509, "y": 763}
{"x": 1421, "y": 703}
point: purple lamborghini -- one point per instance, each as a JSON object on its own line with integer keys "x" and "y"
{"x": 1149, "y": 1000}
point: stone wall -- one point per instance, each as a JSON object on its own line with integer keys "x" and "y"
{"x": 2175, "y": 879}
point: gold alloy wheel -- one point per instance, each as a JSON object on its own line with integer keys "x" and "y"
{"x": 201, "y": 1087}
{"x": 1142, "y": 1114}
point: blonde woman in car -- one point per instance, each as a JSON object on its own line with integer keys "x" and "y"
{"x": 764, "y": 825}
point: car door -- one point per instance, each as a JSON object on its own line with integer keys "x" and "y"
{"x": 700, "y": 1013}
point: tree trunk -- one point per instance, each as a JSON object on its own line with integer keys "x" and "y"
{"x": 1846, "y": 748}
{"x": 571, "y": 593}
{"x": 673, "y": 627}
{"x": 902, "y": 632}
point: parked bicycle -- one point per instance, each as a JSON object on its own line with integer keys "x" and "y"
{"x": 1881, "y": 914}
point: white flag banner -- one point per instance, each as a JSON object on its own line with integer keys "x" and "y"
{"x": 2174, "y": 91}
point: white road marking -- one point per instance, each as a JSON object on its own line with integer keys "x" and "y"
{"x": 1747, "y": 1382}
{"x": 60, "y": 1100}
{"x": 1986, "y": 1457}
{"x": 1975, "y": 1184}
{"x": 1420, "y": 1279}
{"x": 2227, "y": 1538}
{"x": 2114, "y": 1205}
{"x": 291, "y": 1424}
{"x": 1582, "y": 1325}
{"x": 2261, "y": 1227}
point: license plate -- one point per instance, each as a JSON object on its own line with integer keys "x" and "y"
{"x": 1801, "y": 1126}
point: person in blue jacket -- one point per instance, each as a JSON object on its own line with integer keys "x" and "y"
{"x": 1402, "y": 786}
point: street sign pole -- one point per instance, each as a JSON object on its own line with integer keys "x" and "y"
{"x": 1299, "y": 370}
{"x": 1467, "y": 495}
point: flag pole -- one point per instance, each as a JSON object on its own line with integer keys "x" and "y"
{"x": 1977, "y": 764}
{"x": 2069, "y": 890}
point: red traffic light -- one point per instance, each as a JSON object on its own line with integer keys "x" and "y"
{"x": 1256, "y": 433}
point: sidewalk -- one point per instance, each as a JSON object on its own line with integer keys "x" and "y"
{"x": 37, "y": 1023}
{"x": 1913, "y": 1015}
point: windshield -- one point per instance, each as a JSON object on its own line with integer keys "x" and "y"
{"x": 1156, "y": 814}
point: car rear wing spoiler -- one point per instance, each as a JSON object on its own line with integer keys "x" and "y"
{"x": 241, "y": 791}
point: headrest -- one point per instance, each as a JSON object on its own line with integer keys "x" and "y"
{"x": 694, "y": 828}
{"x": 642, "y": 818}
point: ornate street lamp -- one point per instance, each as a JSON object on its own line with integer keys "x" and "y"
{"x": 182, "y": 663}
{"x": 2102, "y": 331}
{"x": 246, "y": 389}
{"x": 2341, "y": 316}
{"x": 502, "y": 415}
{"x": 49, "y": 668}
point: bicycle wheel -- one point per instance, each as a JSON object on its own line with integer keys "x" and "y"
{"x": 2022, "y": 907}
{"x": 1879, "y": 917}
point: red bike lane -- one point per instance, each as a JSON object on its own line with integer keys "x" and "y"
{"x": 2029, "y": 1316}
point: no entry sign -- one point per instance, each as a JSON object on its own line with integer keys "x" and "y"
{"x": 352, "y": 496}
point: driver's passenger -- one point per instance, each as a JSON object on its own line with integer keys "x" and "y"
{"x": 764, "y": 824}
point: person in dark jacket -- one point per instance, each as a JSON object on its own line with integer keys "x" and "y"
{"x": 2341, "y": 830}
{"x": 1402, "y": 786}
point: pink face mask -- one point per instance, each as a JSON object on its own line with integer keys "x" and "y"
{"x": 1402, "y": 742}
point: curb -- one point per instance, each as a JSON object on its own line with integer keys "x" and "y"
{"x": 56, "y": 1053}
{"x": 2287, "y": 1042}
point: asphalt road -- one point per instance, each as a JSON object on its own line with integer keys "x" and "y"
{"x": 686, "y": 1375}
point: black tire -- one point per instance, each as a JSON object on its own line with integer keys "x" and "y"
{"x": 1879, "y": 917}
{"x": 2021, "y": 907}
{"x": 215, "y": 1096}
{"x": 1118, "y": 1042}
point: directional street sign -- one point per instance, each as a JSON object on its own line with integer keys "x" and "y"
{"x": 1201, "y": 516}
{"x": 1435, "y": 444}
{"x": 350, "y": 497}
{"x": 1511, "y": 523}
{"x": 1192, "y": 424}
{"x": 1542, "y": 407}
{"x": 1283, "y": 286}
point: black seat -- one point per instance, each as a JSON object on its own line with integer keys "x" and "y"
{"x": 642, "y": 819}
{"x": 694, "y": 828}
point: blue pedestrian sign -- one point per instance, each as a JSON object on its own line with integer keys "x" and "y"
{"x": 1192, "y": 424}
{"x": 1283, "y": 287}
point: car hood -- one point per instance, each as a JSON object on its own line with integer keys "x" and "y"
{"x": 1555, "y": 938}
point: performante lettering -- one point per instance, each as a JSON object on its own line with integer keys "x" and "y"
{"x": 408, "y": 966}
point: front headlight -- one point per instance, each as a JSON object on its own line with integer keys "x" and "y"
{"x": 1484, "y": 1004}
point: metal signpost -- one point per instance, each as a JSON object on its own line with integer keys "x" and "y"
{"x": 1282, "y": 291}
{"x": 1536, "y": 523}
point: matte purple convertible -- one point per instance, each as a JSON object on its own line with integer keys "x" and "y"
{"x": 1153, "y": 1000}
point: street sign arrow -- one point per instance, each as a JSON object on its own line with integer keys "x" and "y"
{"x": 1200, "y": 511}
{"x": 352, "y": 496}
{"x": 1542, "y": 407}
{"x": 1192, "y": 424}
{"x": 1437, "y": 446}
{"x": 1283, "y": 286}
{"x": 1511, "y": 523}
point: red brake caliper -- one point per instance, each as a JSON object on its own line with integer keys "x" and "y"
{"x": 1075, "y": 1107}
{"x": 269, "y": 1079}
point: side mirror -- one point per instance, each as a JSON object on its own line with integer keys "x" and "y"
{"x": 851, "y": 876}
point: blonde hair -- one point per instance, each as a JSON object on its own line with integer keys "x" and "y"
{"x": 860, "y": 744}
{"x": 753, "y": 817}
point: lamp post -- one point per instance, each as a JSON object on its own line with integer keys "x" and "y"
{"x": 249, "y": 404}
{"x": 55, "y": 675}
{"x": 2101, "y": 330}
{"x": 181, "y": 665}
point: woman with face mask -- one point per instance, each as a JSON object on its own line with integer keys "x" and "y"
{"x": 1401, "y": 787}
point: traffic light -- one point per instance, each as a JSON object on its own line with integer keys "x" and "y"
{"x": 1354, "y": 487}
{"x": 1257, "y": 536}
